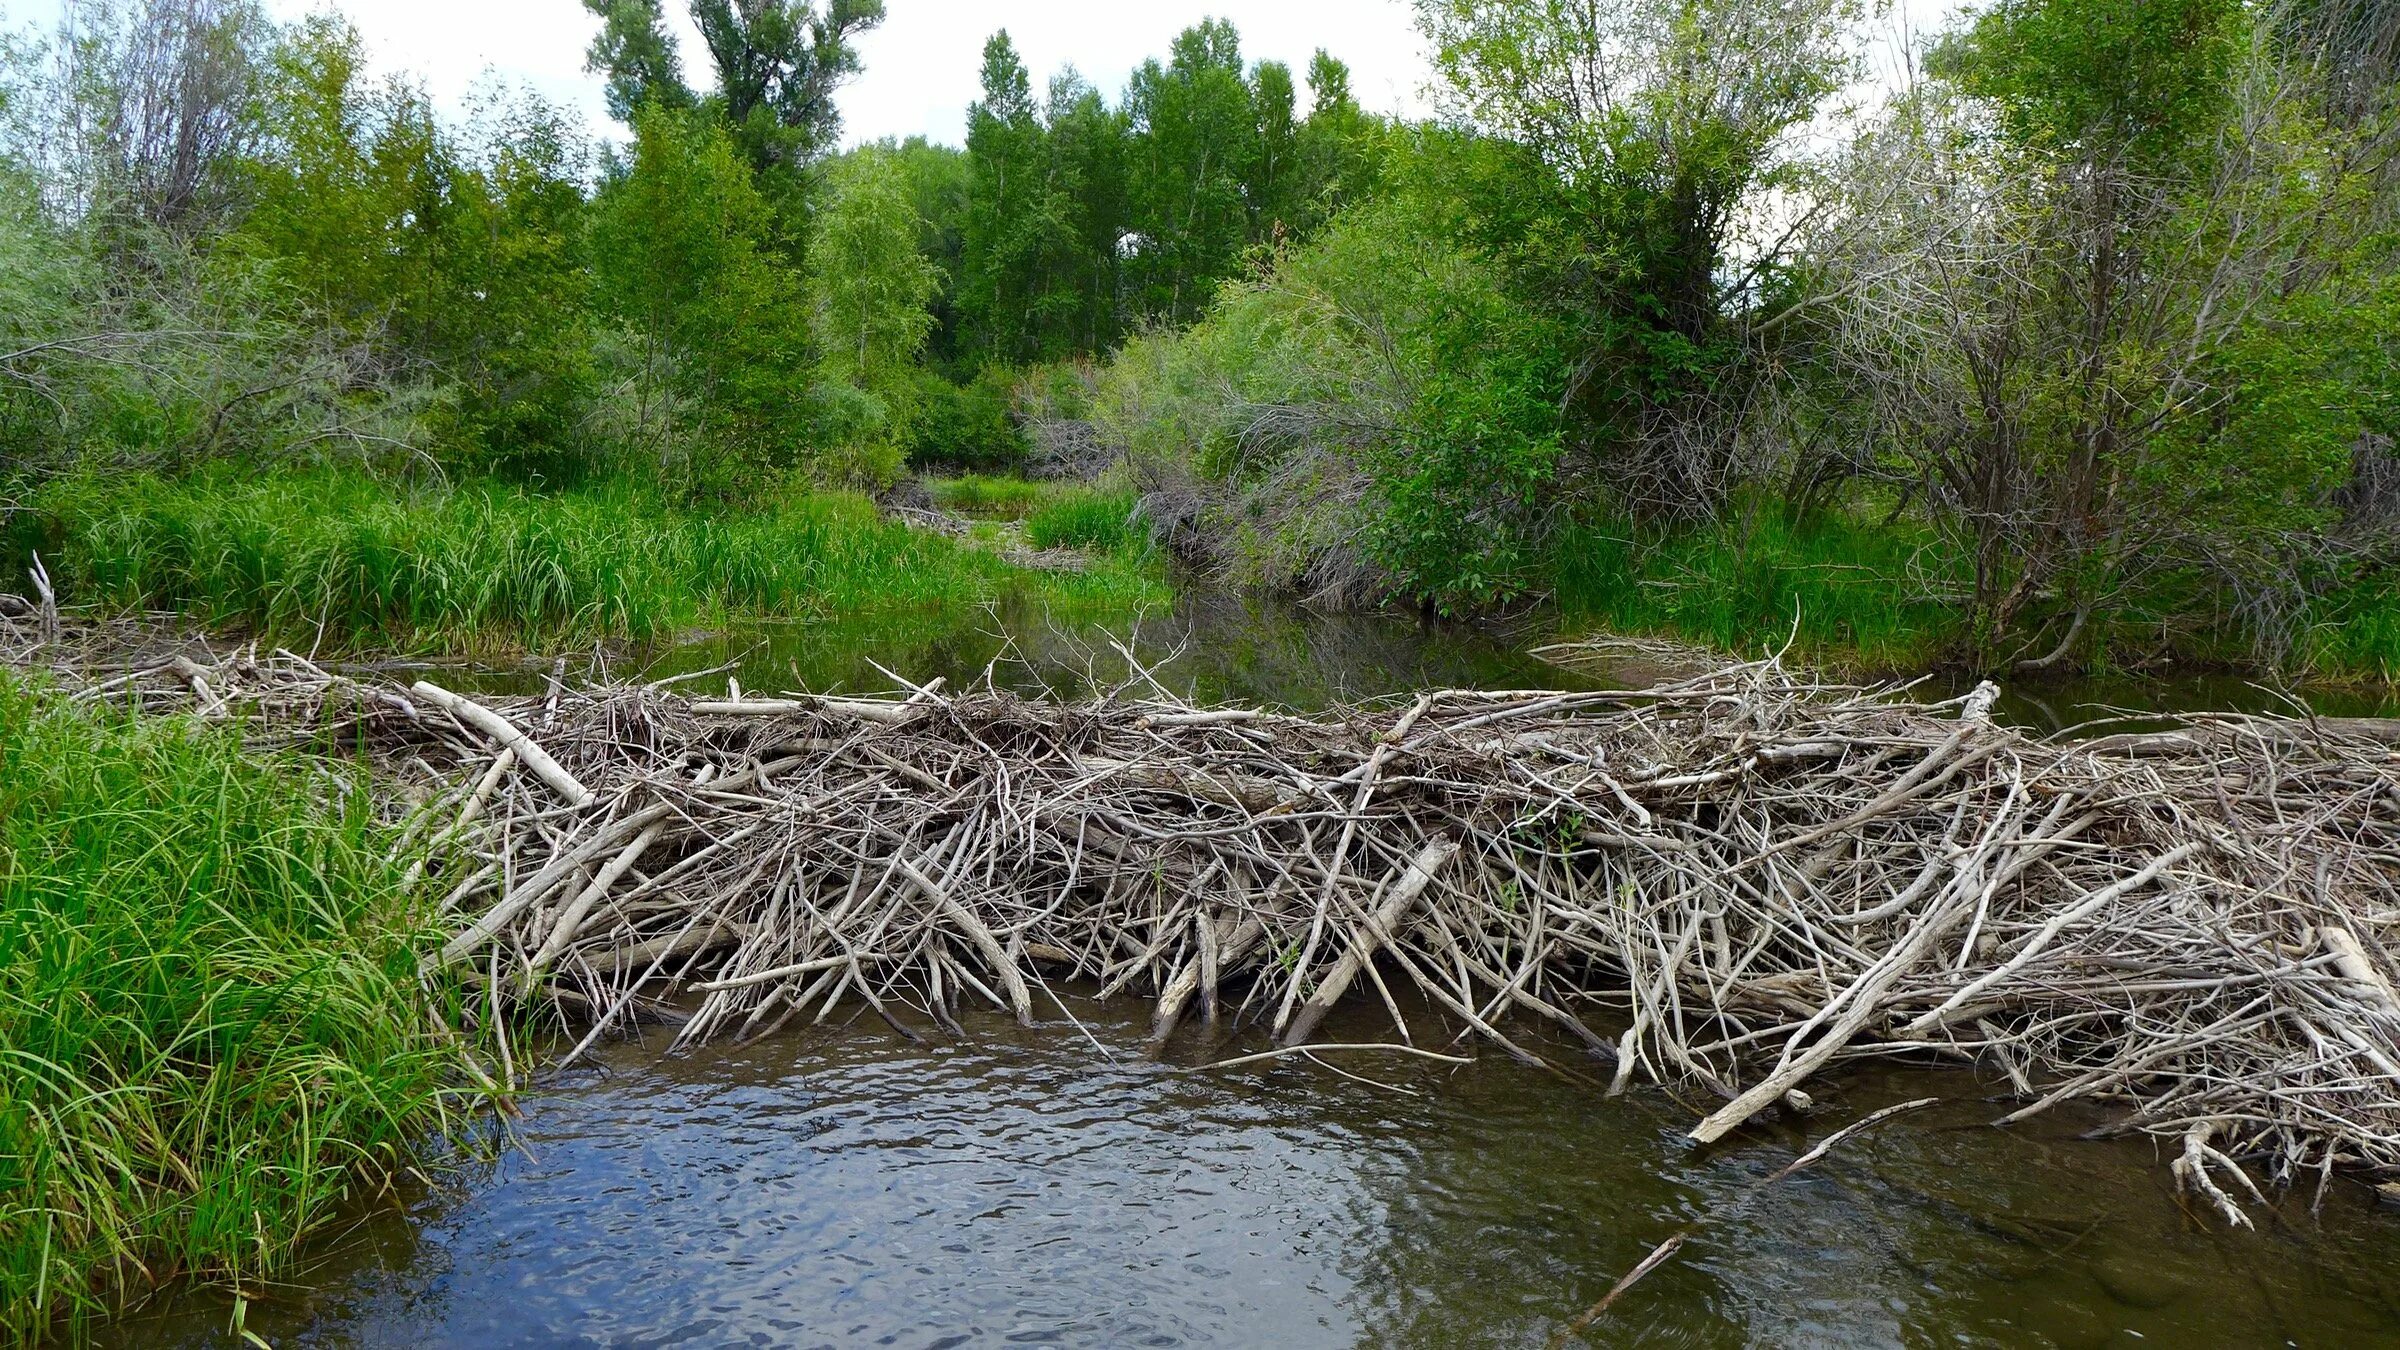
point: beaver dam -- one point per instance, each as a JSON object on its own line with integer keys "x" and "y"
{"x": 1730, "y": 882}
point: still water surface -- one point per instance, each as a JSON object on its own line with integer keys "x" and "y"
{"x": 840, "y": 1186}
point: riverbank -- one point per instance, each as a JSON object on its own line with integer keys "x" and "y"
{"x": 1879, "y": 599}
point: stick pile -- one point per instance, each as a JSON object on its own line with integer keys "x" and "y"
{"x": 1735, "y": 880}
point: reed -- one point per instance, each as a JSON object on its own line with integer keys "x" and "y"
{"x": 215, "y": 1032}
{"x": 1091, "y": 519}
{"x": 334, "y": 559}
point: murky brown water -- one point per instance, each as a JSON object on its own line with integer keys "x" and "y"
{"x": 840, "y": 1186}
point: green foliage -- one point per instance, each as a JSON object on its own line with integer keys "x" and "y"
{"x": 2100, "y": 79}
{"x": 778, "y": 64}
{"x": 871, "y": 282}
{"x": 1195, "y": 123}
{"x": 977, "y": 494}
{"x": 969, "y": 426}
{"x": 1377, "y": 415}
{"x": 209, "y": 1004}
{"x": 680, "y": 248}
{"x": 634, "y": 50}
{"x": 1841, "y": 587}
{"x": 1635, "y": 141}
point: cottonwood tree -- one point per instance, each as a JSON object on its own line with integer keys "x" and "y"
{"x": 778, "y": 65}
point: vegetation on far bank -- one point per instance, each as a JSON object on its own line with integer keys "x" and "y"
{"x": 2077, "y": 344}
{"x": 339, "y": 559}
{"x": 214, "y": 1030}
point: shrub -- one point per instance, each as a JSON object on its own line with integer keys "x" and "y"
{"x": 967, "y": 427}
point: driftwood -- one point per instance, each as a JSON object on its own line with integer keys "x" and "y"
{"x": 1737, "y": 879}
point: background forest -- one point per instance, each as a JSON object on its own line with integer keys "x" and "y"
{"x": 2073, "y": 342}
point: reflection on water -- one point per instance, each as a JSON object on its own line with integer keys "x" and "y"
{"x": 840, "y": 1187}
{"x": 1209, "y": 647}
{"x": 1214, "y": 647}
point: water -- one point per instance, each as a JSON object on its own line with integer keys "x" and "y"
{"x": 841, "y": 1186}
{"x": 1212, "y": 647}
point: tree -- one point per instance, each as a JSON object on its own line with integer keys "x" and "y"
{"x": 872, "y": 283}
{"x": 1274, "y": 187}
{"x": 1651, "y": 136}
{"x": 1011, "y": 222}
{"x": 1087, "y": 148}
{"x": 635, "y": 51}
{"x": 778, "y": 65}
{"x": 1338, "y": 148}
{"x": 1195, "y": 137}
{"x": 681, "y": 256}
{"x": 2112, "y": 299}
{"x": 941, "y": 185}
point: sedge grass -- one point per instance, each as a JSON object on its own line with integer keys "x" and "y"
{"x": 1862, "y": 596}
{"x": 989, "y": 495}
{"x": 1093, "y": 519}
{"x": 210, "y": 1013}
{"x": 333, "y": 557}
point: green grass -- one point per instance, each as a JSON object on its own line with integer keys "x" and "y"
{"x": 1847, "y": 584}
{"x": 991, "y": 495}
{"x": 209, "y": 1007}
{"x": 1092, "y": 519}
{"x": 2353, "y": 633}
{"x": 334, "y": 557}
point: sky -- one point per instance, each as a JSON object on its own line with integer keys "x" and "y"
{"x": 921, "y": 65}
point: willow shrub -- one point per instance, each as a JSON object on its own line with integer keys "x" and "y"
{"x": 210, "y": 1011}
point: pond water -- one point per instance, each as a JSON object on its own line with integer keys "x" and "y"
{"x": 1054, "y": 1186}
{"x": 843, "y": 1187}
{"x": 1213, "y": 647}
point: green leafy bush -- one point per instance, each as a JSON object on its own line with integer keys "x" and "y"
{"x": 967, "y": 427}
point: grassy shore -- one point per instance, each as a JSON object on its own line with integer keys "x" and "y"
{"x": 337, "y": 558}
{"x": 1866, "y": 597}
{"x": 209, "y": 1005}
{"x": 1840, "y": 591}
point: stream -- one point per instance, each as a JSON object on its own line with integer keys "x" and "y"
{"x": 837, "y": 1185}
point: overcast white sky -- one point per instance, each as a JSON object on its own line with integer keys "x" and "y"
{"x": 921, "y": 65}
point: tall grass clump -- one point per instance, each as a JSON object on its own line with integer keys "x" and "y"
{"x": 1094, "y": 519}
{"x": 1861, "y": 595}
{"x": 2353, "y": 632}
{"x": 209, "y": 1007}
{"x": 338, "y": 558}
{"x": 979, "y": 494}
